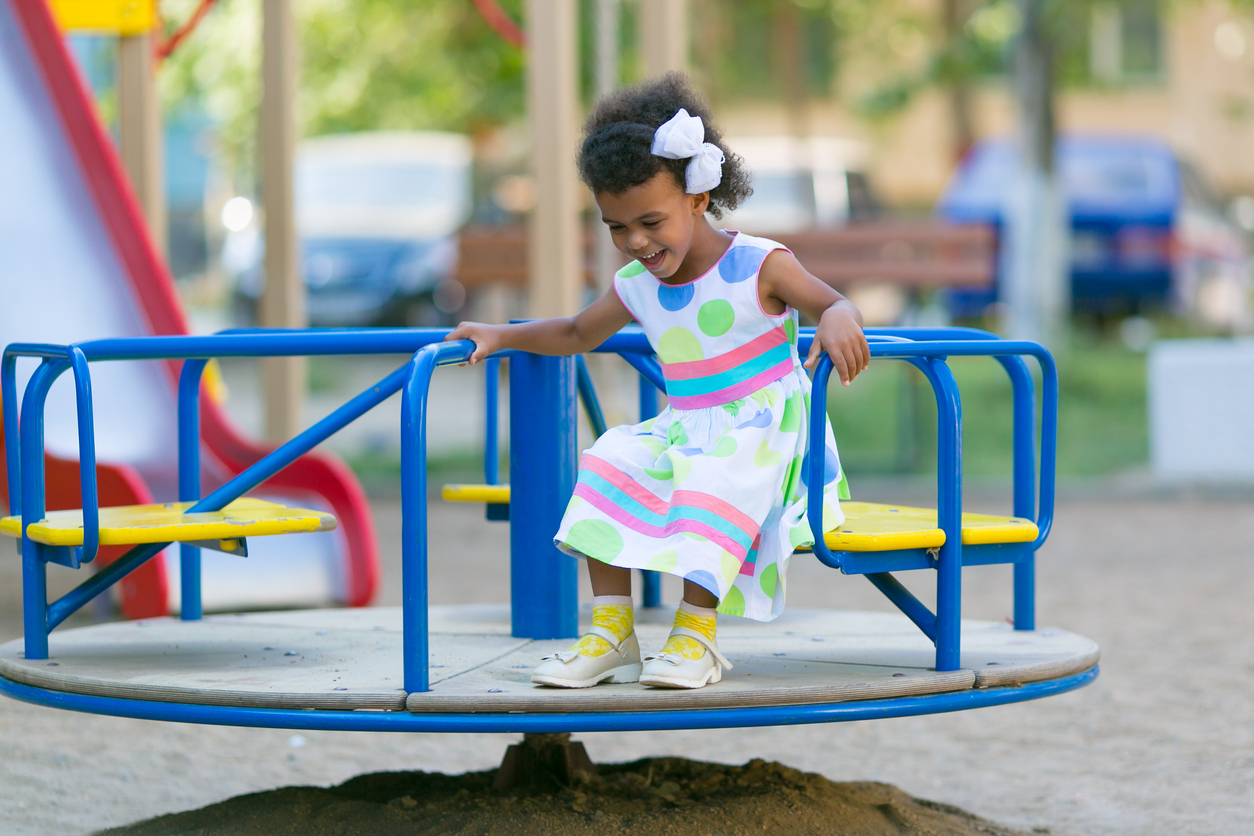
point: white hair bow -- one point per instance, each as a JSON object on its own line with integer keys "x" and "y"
{"x": 683, "y": 137}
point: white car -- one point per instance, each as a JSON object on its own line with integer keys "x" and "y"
{"x": 377, "y": 214}
{"x": 800, "y": 184}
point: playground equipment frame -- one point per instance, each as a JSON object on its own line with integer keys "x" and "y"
{"x": 543, "y": 394}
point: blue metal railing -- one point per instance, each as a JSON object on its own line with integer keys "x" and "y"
{"x": 926, "y": 349}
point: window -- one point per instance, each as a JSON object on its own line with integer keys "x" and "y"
{"x": 1126, "y": 42}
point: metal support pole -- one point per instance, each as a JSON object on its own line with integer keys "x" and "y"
{"x": 190, "y": 603}
{"x": 543, "y": 581}
{"x": 283, "y": 301}
{"x": 665, "y": 47}
{"x": 555, "y": 250}
{"x": 139, "y": 124}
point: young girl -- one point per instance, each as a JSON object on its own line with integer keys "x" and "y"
{"x": 713, "y": 489}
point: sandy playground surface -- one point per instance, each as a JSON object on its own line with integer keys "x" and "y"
{"x": 1162, "y": 743}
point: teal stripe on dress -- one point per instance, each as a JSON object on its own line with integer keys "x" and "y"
{"x": 698, "y": 386}
{"x": 674, "y": 512}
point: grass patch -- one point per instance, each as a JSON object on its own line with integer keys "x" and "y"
{"x": 886, "y": 421}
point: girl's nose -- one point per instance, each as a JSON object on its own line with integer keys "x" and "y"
{"x": 637, "y": 241}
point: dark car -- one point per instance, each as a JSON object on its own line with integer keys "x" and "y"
{"x": 378, "y": 215}
{"x": 1146, "y": 231}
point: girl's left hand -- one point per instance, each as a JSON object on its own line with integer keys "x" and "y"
{"x": 840, "y": 334}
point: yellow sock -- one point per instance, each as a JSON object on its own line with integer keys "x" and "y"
{"x": 699, "y": 619}
{"x": 609, "y": 612}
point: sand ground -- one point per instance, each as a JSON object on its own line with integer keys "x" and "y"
{"x": 1163, "y": 743}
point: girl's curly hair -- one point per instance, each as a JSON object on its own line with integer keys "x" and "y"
{"x": 619, "y": 132}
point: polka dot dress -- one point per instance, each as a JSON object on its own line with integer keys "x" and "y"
{"x": 713, "y": 489}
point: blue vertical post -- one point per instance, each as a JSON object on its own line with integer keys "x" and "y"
{"x": 191, "y": 606}
{"x": 31, "y": 450}
{"x": 1024, "y": 393}
{"x": 491, "y": 399}
{"x": 949, "y": 513}
{"x": 543, "y": 581}
{"x": 650, "y": 581}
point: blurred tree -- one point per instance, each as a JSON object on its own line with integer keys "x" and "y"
{"x": 365, "y": 65}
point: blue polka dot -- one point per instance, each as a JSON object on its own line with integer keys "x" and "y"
{"x": 703, "y": 579}
{"x": 831, "y": 468}
{"x": 675, "y": 298}
{"x": 740, "y": 263}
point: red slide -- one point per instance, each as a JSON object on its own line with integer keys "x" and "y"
{"x": 50, "y": 85}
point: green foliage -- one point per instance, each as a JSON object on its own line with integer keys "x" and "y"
{"x": 365, "y": 64}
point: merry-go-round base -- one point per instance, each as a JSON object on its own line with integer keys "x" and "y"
{"x": 341, "y": 668}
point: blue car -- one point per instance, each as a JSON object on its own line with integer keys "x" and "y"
{"x": 1146, "y": 231}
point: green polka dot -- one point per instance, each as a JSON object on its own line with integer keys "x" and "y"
{"x": 659, "y": 474}
{"x": 790, "y": 327}
{"x": 766, "y": 457}
{"x": 791, "y": 422}
{"x": 679, "y": 345}
{"x": 731, "y": 566}
{"x": 807, "y": 402}
{"x": 595, "y": 538}
{"x": 800, "y": 535}
{"x": 574, "y": 501}
{"x": 700, "y": 538}
{"x": 716, "y": 317}
{"x": 682, "y": 466}
{"x": 829, "y": 517}
{"x": 647, "y": 426}
{"x": 792, "y": 480}
{"x": 726, "y": 446}
{"x": 842, "y": 487}
{"x": 733, "y": 603}
{"x": 733, "y": 407}
{"x": 633, "y": 269}
{"x": 675, "y": 435}
{"x": 654, "y": 445}
{"x": 663, "y": 561}
{"x": 770, "y": 577}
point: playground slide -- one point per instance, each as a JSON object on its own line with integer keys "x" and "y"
{"x": 76, "y": 264}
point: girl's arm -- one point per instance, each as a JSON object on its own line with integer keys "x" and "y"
{"x": 556, "y": 337}
{"x": 783, "y": 281}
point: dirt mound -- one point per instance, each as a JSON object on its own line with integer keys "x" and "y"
{"x": 650, "y": 797}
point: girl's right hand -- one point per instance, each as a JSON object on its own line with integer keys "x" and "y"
{"x": 487, "y": 338}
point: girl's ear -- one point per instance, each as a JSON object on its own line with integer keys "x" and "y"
{"x": 700, "y": 202}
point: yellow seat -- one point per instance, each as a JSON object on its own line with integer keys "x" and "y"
{"x": 868, "y": 526}
{"x": 126, "y": 525}
{"x": 494, "y": 494}
{"x": 874, "y": 527}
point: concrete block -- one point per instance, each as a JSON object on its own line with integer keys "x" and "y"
{"x": 1201, "y": 410}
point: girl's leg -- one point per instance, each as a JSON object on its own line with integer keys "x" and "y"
{"x": 607, "y": 579}
{"x": 699, "y": 596}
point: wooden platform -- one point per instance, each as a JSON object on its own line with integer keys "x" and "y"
{"x": 351, "y": 660}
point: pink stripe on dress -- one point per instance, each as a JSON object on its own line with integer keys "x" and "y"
{"x": 625, "y": 484}
{"x": 621, "y": 515}
{"x": 729, "y": 360}
{"x": 731, "y": 393}
{"x": 650, "y": 500}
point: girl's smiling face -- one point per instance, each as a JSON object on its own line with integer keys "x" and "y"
{"x": 654, "y": 222}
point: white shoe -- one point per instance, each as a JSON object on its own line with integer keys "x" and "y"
{"x": 570, "y": 669}
{"x": 671, "y": 670}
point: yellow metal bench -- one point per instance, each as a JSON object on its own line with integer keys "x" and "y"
{"x": 868, "y": 526}
{"x": 126, "y": 525}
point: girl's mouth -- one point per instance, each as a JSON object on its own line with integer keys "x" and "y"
{"x": 654, "y": 260}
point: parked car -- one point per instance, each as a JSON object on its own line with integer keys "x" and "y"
{"x": 802, "y": 184}
{"x": 377, "y": 215}
{"x": 1146, "y": 230}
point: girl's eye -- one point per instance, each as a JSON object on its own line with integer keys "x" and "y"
{"x": 651, "y": 224}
